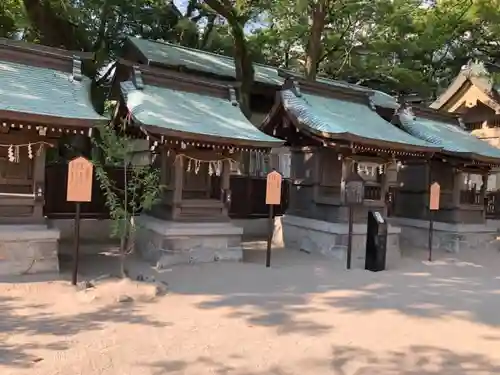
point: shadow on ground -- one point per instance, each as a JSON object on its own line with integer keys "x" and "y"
{"x": 280, "y": 298}
{"x": 348, "y": 360}
{"x": 20, "y": 317}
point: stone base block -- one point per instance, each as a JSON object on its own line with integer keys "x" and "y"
{"x": 330, "y": 239}
{"x": 448, "y": 237}
{"x": 168, "y": 243}
{"x": 28, "y": 249}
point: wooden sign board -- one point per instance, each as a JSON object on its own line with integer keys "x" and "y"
{"x": 80, "y": 172}
{"x": 434, "y": 197}
{"x": 273, "y": 188}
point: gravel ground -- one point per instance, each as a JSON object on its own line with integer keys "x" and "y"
{"x": 305, "y": 315}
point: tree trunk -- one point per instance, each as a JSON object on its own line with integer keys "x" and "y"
{"x": 242, "y": 60}
{"x": 54, "y": 29}
{"x": 244, "y": 69}
{"x": 100, "y": 43}
{"x": 314, "y": 48}
{"x": 207, "y": 31}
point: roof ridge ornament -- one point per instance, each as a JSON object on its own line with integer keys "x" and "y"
{"x": 296, "y": 86}
{"x": 475, "y": 68}
{"x": 461, "y": 123}
{"x": 407, "y": 110}
{"x": 137, "y": 78}
{"x": 371, "y": 102}
{"x": 77, "y": 68}
{"x": 232, "y": 96}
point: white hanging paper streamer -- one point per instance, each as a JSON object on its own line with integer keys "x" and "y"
{"x": 197, "y": 166}
{"x": 218, "y": 168}
{"x": 189, "y": 166}
{"x": 210, "y": 169}
{"x": 40, "y": 149}
{"x": 380, "y": 169}
{"x": 10, "y": 153}
{"x": 30, "y": 151}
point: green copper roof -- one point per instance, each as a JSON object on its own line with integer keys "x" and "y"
{"x": 347, "y": 120}
{"x": 379, "y": 98}
{"x": 41, "y": 91}
{"x": 202, "y": 61}
{"x": 447, "y": 136}
{"x": 191, "y": 113}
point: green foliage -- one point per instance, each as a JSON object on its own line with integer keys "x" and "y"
{"x": 141, "y": 189}
{"x": 408, "y": 45}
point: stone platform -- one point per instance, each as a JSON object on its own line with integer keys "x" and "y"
{"x": 28, "y": 249}
{"x": 168, "y": 243}
{"x": 330, "y": 239}
{"x": 453, "y": 238}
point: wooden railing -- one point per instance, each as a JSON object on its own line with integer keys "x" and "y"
{"x": 470, "y": 197}
{"x": 373, "y": 192}
{"x": 492, "y": 202}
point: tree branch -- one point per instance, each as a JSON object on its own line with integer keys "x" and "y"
{"x": 337, "y": 45}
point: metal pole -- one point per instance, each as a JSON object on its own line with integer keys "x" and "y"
{"x": 270, "y": 235}
{"x": 349, "y": 238}
{"x": 431, "y": 232}
{"x": 77, "y": 245}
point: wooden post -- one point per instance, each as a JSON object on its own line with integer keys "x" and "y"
{"x": 79, "y": 189}
{"x": 435, "y": 192}
{"x": 39, "y": 183}
{"x": 164, "y": 166}
{"x": 482, "y": 196}
{"x": 345, "y": 173}
{"x": 384, "y": 188}
{"x": 178, "y": 184}
{"x": 76, "y": 253}
{"x": 273, "y": 197}
{"x": 226, "y": 184}
{"x": 457, "y": 187}
{"x": 349, "y": 237}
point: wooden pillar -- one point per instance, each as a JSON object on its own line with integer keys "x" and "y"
{"x": 316, "y": 178}
{"x": 225, "y": 184}
{"x": 346, "y": 170}
{"x": 384, "y": 188}
{"x": 482, "y": 195}
{"x": 457, "y": 187}
{"x": 164, "y": 166}
{"x": 39, "y": 183}
{"x": 178, "y": 184}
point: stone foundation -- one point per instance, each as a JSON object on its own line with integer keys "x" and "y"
{"x": 168, "y": 243}
{"x": 28, "y": 249}
{"x": 448, "y": 237}
{"x": 330, "y": 239}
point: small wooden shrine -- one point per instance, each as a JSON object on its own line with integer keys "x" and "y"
{"x": 197, "y": 132}
{"x": 461, "y": 168}
{"x": 43, "y": 95}
{"x": 334, "y": 132}
{"x": 475, "y": 97}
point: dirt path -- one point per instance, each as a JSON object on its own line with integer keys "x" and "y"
{"x": 301, "y": 317}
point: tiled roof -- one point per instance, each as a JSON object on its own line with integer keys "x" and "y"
{"x": 187, "y": 112}
{"x": 201, "y": 61}
{"x": 379, "y": 98}
{"x": 345, "y": 119}
{"x": 41, "y": 91}
{"x": 447, "y": 136}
